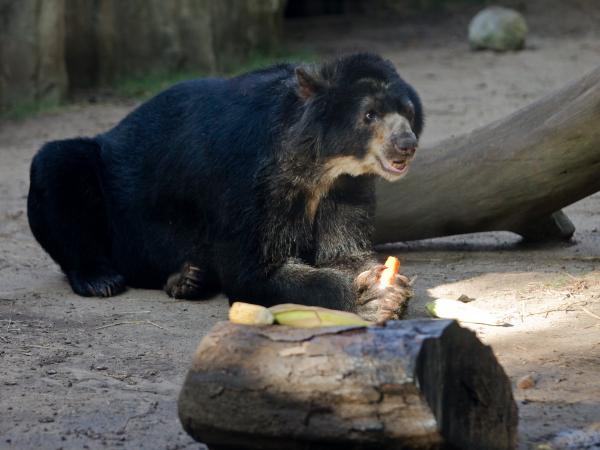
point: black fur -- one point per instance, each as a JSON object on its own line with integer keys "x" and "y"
{"x": 216, "y": 174}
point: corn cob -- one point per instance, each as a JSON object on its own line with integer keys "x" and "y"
{"x": 452, "y": 309}
{"x": 249, "y": 314}
{"x": 302, "y": 316}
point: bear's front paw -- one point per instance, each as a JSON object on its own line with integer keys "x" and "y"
{"x": 381, "y": 303}
{"x": 185, "y": 284}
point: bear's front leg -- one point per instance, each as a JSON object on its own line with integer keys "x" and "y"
{"x": 344, "y": 229}
{"x": 332, "y": 286}
{"x": 294, "y": 282}
{"x": 192, "y": 282}
{"x": 381, "y": 303}
{"x": 373, "y": 302}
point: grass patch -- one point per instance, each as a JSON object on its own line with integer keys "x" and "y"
{"x": 258, "y": 60}
{"x": 145, "y": 86}
{"x": 29, "y": 108}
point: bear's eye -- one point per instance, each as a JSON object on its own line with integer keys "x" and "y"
{"x": 370, "y": 116}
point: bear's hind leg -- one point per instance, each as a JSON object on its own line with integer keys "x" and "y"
{"x": 102, "y": 282}
{"x": 67, "y": 215}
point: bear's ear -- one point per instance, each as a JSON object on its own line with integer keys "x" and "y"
{"x": 308, "y": 84}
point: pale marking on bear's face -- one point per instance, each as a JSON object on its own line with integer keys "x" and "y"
{"x": 351, "y": 165}
{"x": 333, "y": 168}
{"x": 384, "y": 129}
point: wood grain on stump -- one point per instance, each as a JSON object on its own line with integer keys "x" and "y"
{"x": 421, "y": 384}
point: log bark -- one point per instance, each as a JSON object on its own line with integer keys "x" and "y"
{"x": 510, "y": 175}
{"x": 419, "y": 384}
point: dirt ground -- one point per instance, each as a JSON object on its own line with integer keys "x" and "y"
{"x": 105, "y": 373}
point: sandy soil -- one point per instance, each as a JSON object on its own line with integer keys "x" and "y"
{"x": 105, "y": 373}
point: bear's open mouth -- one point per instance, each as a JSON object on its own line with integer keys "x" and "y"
{"x": 399, "y": 165}
{"x": 396, "y": 167}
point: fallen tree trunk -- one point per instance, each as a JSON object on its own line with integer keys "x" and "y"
{"x": 419, "y": 384}
{"x": 510, "y": 175}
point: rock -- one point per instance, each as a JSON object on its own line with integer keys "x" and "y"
{"x": 465, "y": 298}
{"x": 112, "y": 39}
{"x": 50, "y": 46}
{"x": 32, "y": 66}
{"x": 573, "y": 439}
{"x": 526, "y": 382}
{"x": 241, "y": 30}
{"x": 498, "y": 28}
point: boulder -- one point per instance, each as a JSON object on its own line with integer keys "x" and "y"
{"x": 112, "y": 39}
{"x": 32, "y": 63}
{"x": 48, "y": 46}
{"x": 498, "y": 28}
{"x": 138, "y": 37}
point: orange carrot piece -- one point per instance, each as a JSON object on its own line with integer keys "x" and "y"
{"x": 392, "y": 265}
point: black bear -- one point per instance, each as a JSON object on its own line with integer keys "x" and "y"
{"x": 261, "y": 186}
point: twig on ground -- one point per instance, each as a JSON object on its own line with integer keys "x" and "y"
{"x": 589, "y": 313}
{"x": 565, "y": 307}
{"x": 573, "y": 277}
{"x": 581, "y": 258}
{"x": 10, "y": 316}
{"x": 156, "y": 325}
{"x": 131, "y": 322}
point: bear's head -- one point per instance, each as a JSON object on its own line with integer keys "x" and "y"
{"x": 362, "y": 117}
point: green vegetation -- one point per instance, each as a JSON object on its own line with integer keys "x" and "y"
{"x": 22, "y": 110}
{"x": 141, "y": 87}
{"x": 145, "y": 86}
{"x": 258, "y": 60}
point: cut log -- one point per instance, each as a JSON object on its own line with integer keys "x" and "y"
{"x": 510, "y": 175}
{"x": 419, "y": 384}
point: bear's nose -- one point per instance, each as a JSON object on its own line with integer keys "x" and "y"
{"x": 405, "y": 144}
{"x": 405, "y": 141}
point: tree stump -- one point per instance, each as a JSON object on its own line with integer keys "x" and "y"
{"x": 418, "y": 384}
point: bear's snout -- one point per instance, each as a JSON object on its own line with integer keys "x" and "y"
{"x": 404, "y": 145}
{"x": 405, "y": 141}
